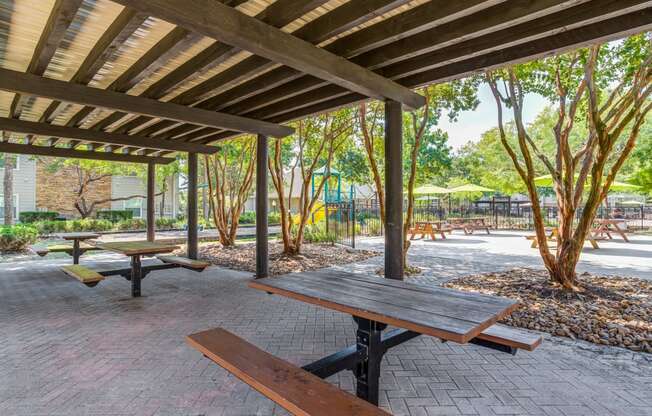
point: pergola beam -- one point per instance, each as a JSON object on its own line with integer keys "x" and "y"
{"x": 235, "y": 28}
{"x": 51, "y": 130}
{"x": 59, "y": 90}
{"x": 28, "y": 149}
{"x": 451, "y": 64}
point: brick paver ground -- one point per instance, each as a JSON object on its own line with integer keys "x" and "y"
{"x": 71, "y": 350}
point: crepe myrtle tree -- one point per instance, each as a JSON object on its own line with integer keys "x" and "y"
{"x": 426, "y": 155}
{"x": 601, "y": 96}
{"x": 229, "y": 174}
{"x": 313, "y": 146}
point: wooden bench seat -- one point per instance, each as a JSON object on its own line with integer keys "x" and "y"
{"x": 292, "y": 388}
{"x": 185, "y": 262}
{"x": 83, "y": 274}
{"x": 42, "y": 251}
{"x": 511, "y": 337}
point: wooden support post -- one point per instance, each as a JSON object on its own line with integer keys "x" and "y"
{"x": 393, "y": 190}
{"x": 151, "y": 186}
{"x": 262, "y": 233}
{"x": 193, "y": 247}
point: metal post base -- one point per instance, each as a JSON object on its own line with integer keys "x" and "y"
{"x": 371, "y": 351}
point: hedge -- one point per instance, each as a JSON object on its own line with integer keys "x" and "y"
{"x": 17, "y": 237}
{"x": 28, "y": 217}
{"x": 115, "y": 215}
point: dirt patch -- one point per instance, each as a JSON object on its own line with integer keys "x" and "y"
{"x": 312, "y": 257}
{"x": 609, "y": 310}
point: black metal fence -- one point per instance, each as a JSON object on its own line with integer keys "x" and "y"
{"x": 348, "y": 219}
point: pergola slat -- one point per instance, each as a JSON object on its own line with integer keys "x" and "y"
{"x": 44, "y": 129}
{"x": 64, "y": 91}
{"x": 28, "y": 149}
{"x": 413, "y": 20}
{"x": 210, "y": 55}
{"x": 233, "y": 27}
{"x": 62, "y": 14}
{"x": 332, "y": 97}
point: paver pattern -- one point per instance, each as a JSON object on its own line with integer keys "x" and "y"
{"x": 71, "y": 350}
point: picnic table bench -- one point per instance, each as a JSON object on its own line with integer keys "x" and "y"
{"x": 76, "y": 249}
{"x": 374, "y": 303}
{"x": 607, "y": 226}
{"x": 430, "y": 228}
{"x": 469, "y": 225}
{"x": 553, "y": 235}
{"x": 136, "y": 272}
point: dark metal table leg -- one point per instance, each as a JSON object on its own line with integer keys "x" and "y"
{"x": 370, "y": 348}
{"x": 136, "y": 275}
{"x": 75, "y": 252}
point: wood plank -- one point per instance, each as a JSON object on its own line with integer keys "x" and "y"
{"x": 28, "y": 149}
{"x": 83, "y": 274}
{"x": 44, "y": 129}
{"x": 79, "y": 94}
{"x": 513, "y": 337}
{"x": 445, "y": 327}
{"x": 412, "y": 21}
{"x": 440, "y": 304}
{"x": 132, "y": 248}
{"x": 233, "y": 27}
{"x": 62, "y": 14}
{"x": 185, "y": 262}
{"x": 294, "y": 389}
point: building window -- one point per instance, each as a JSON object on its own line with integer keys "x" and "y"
{"x": 134, "y": 205}
{"x": 2, "y": 207}
{"x": 17, "y": 162}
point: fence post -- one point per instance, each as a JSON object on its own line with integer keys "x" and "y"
{"x": 354, "y": 223}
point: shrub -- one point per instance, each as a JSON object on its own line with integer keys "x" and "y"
{"x": 17, "y": 237}
{"x": 317, "y": 233}
{"x": 89, "y": 224}
{"x": 248, "y": 218}
{"x": 115, "y": 215}
{"x": 50, "y": 227}
{"x": 166, "y": 223}
{"x": 131, "y": 224}
{"x": 28, "y": 217}
{"x": 274, "y": 218}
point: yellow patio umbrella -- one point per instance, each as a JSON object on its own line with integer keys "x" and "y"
{"x": 430, "y": 190}
{"x": 469, "y": 187}
{"x": 545, "y": 181}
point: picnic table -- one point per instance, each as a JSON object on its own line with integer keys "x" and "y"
{"x": 430, "y": 228}
{"x": 606, "y": 226}
{"x": 77, "y": 240}
{"x": 374, "y": 303}
{"x": 553, "y": 235}
{"x": 469, "y": 225}
{"x": 136, "y": 250}
{"x": 76, "y": 250}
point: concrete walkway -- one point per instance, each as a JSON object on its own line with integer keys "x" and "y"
{"x": 72, "y": 350}
{"x": 461, "y": 255}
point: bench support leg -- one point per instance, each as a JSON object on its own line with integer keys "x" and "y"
{"x": 136, "y": 275}
{"x": 371, "y": 351}
{"x": 75, "y": 252}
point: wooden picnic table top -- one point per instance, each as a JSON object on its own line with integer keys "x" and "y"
{"x": 444, "y": 313}
{"x": 77, "y": 236}
{"x": 609, "y": 221}
{"x": 135, "y": 248}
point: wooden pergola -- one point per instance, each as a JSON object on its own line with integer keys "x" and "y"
{"x": 140, "y": 80}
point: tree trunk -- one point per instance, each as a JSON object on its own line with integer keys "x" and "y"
{"x": 8, "y": 186}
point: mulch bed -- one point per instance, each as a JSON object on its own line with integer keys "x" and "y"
{"x": 613, "y": 311}
{"x": 312, "y": 257}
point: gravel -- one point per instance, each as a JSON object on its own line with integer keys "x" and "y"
{"x": 612, "y": 310}
{"x": 312, "y": 257}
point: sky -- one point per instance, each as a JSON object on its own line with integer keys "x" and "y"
{"x": 471, "y": 124}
